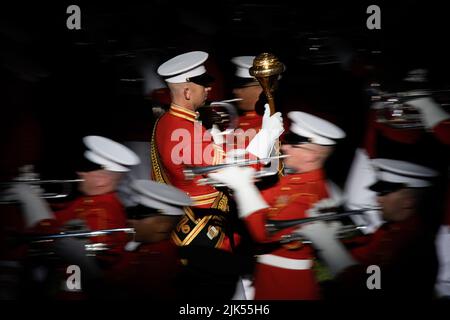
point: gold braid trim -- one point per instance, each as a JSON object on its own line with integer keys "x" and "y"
{"x": 158, "y": 173}
{"x": 219, "y": 202}
{"x": 180, "y": 115}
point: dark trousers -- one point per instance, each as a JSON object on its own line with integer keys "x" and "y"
{"x": 208, "y": 274}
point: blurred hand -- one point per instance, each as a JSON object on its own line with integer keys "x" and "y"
{"x": 272, "y": 123}
{"x": 235, "y": 155}
{"x": 266, "y": 116}
{"x": 22, "y": 191}
{"x": 217, "y": 135}
{"x": 314, "y": 231}
{"x": 323, "y": 205}
{"x": 320, "y": 229}
{"x": 234, "y": 177}
{"x": 432, "y": 112}
{"x": 323, "y": 238}
{"x": 247, "y": 196}
{"x": 33, "y": 207}
{"x": 262, "y": 144}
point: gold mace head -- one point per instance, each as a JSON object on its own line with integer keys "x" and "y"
{"x": 266, "y": 65}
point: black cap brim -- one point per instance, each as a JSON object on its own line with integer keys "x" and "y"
{"x": 85, "y": 165}
{"x": 239, "y": 82}
{"x": 385, "y": 187}
{"x": 292, "y": 138}
{"x": 204, "y": 80}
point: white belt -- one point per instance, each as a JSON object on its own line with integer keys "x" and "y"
{"x": 286, "y": 263}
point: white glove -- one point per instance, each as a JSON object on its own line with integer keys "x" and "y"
{"x": 218, "y": 136}
{"x": 34, "y": 208}
{"x": 266, "y": 117}
{"x": 247, "y": 196}
{"x": 432, "y": 113}
{"x": 323, "y": 238}
{"x": 328, "y": 203}
{"x": 235, "y": 155}
{"x": 335, "y": 194}
{"x": 272, "y": 127}
{"x": 268, "y": 121}
{"x": 357, "y": 194}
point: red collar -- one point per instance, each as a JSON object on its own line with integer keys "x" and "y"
{"x": 299, "y": 178}
{"x": 183, "y": 113}
{"x": 91, "y": 200}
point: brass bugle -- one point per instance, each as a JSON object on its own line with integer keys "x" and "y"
{"x": 404, "y": 96}
{"x": 214, "y": 183}
{"x": 345, "y": 231}
{"x": 273, "y": 226}
{"x": 81, "y": 234}
{"x": 37, "y": 181}
{"x": 191, "y": 172}
{"x": 7, "y": 199}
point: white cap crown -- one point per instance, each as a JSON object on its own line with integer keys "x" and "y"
{"x": 184, "y": 66}
{"x": 160, "y": 196}
{"x": 318, "y": 130}
{"x": 408, "y": 173}
{"x": 243, "y": 65}
{"x": 111, "y": 155}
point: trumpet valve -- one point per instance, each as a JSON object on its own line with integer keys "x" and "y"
{"x": 189, "y": 174}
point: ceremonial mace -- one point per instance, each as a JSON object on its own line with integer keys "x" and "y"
{"x": 267, "y": 69}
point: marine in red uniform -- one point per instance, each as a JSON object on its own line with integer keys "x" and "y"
{"x": 403, "y": 246}
{"x": 151, "y": 263}
{"x": 178, "y": 141}
{"x": 285, "y": 271}
{"x": 394, "y": 132}
{"x": 97, "y": 209}
{"x": 98, "y": 212}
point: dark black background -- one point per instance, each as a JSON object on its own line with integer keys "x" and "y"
{"x": 57, "y": 85}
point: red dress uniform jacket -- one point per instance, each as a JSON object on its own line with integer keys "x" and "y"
{"x": 179, "y": 140}
{"x": 405, "y": 254}
{"x": 286, "y": 273}
{"x": 99, "y": 212}
{"x": 386, "y": 243}
{"x": 406, "y": 137}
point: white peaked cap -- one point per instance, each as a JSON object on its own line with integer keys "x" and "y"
{"x": 111, "y": 155}
{"x": 243, "y": 65}
{"x": 319, "y": 131}
{"x": 183, "y": 67}
{"x": 160, "y": 196}
{"x": 410, "y": 174}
